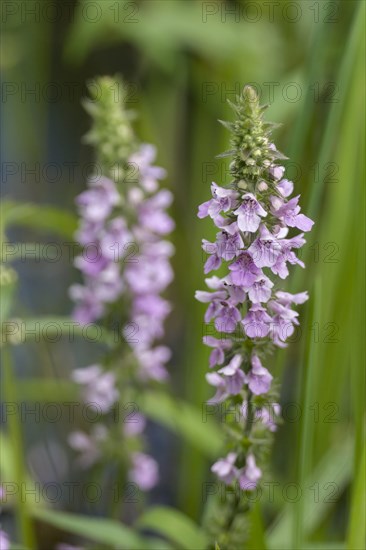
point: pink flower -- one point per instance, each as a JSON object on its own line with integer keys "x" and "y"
{"x": 243, "y": 270}
{"x": 260, "y": 291}
{"x": 225, "y": 468}
{"x": 250, "y": 475}
{"x": 218, "y": 353}
{"x": 233, "y": 375}
{"x": 256, "y": 323}
{"x": 258, "y": 379}
{"x": 249, "y": 213}
{"x": 144, "y": 471}
{"x": 289, "y": 213}
{"x": 222, "y": 201}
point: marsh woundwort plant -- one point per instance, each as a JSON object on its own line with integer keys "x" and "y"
{"x": 123, "y": 216}
{"x": 251, "y": 313}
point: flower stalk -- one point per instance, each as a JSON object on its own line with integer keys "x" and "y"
{"x": 123, "y": 221}
{"x": 250, "y": 313}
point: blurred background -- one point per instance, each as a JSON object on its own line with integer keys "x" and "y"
{"x": 181, "y": 61}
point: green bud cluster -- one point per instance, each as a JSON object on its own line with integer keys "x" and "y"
{"x": 250, "y": 142}
{"x": 111, "y": 133}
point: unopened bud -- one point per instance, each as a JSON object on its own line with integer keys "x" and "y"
{"x": 262, "y": 186}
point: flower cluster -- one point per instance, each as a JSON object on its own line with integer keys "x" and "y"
{"x": 125, "y": 267}
{"x": 129, "y": 258}
{"x": 251, "y": 315}
{"x": 4, "y": 540}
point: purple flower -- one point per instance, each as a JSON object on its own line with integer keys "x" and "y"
{"x": 234, "y": 376}
{"x": 151, "y": 305}
{"x": 225, "y": 469}
{"x": 152, "y": 362}
{"x": 223, "y": 200}
{"x": 268, "y": 416}
{"x": 91, "y": 266}
{"x": 215, "y": 283}
{"x": 236, "y": 294}
{"x": 260, "y": 291}
{"x": 144, "y": 308}
{"x": 149, "y": 174}
{"x": 243, "y": 270}
{"x": 227, "y": 318}
{"x": 228, "y": 246}
{"x": 88, "y": 307}
{"x": 114, "y": 239}
{"x": 249, "y": 213}
{"x": 256, "y": 323}
{"x": 144, "y": 472}
{"x": 148, "y": 275}
{"x": 98, "y": 386}
{"x": 215, "y": 302}
{"x": 283, "y": 322}
{"x": 250, "y": 475}
{"x": 96, "y": 203}
{"x": 265, "y": 249}
{"x": 109, "y": 285}
{"x": 285, "y": 298}
{"x": 218, "y": 382}
{"x": 135, "y": 425}
{"x": 276, "y": 171}
{"x": 214, "y": 261}
{"x": 226, "y": 225}
{"x": 285, "y": 187}
{"x": 217, "y": 355}
{"x": 4, "y": 540}
{"x": 287, "y": 255}
{"x": 89, "y": 446}
{"x": 258, "y": 379}
{"x": 151, "y": 213}
{"x": 288, "y": 213}
{"x": 89, "y": 231}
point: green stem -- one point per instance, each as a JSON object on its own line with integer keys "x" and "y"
{"x": 16, "y": 437}
{"x": 249, "y": 422}
{"x": 235, "y": 510}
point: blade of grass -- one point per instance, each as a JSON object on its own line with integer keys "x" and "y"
{"x": 357, "y": 526}
{"x": 336, "y": 468}
{"x": 16, "y": 439}
{"x": 315, "y": 68}
{"x": 335, "y": 113}
{"x": 306, "y": 424}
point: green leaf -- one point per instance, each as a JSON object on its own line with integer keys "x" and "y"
{"x": 104, "y": 531}
{"x": 357, "y": 526}
{"x": 16, "y": 452}
{"x": 162, "y": 30}
{"x": 186, "y": 420}
{"x": 36, "y": 216}
{"x": 324, "y": 546}
{"x": 48, "y": 390}
{"x": 157, "y": 544}
{"x": 226, "y": 154}
{"x": 8, "y": 284}
{"x": 335, "y": 469}
{"x": 175, "y": 526}
{"x": 354, "y": 43}
{"x": 228, "y": 125}
{"x": 256, "y": 536}
{"x": 307, "y": 426}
